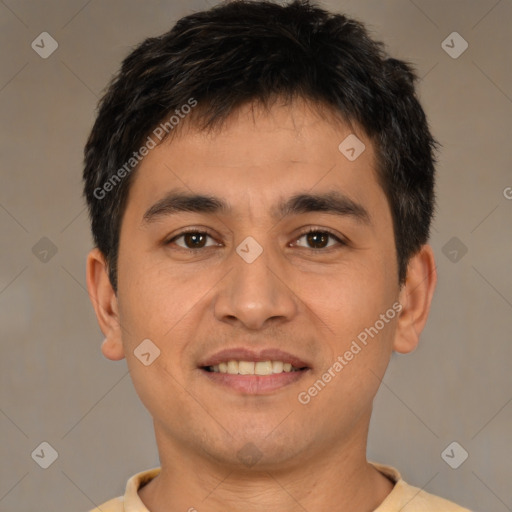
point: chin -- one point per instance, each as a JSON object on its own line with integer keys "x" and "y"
{"x": 258, "y": 451}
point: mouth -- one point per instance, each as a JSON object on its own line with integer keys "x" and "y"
{"x": 261, "y": 368}
{"x": 254, "y": 373}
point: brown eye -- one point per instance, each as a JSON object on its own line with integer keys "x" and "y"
{"x": 317, "y": 239}
{"x": 192, "y": 240}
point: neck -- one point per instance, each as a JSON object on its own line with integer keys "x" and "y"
{"x": 337, "y": 479}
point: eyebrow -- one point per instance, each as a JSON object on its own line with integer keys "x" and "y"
{"x": 335, "y": 203}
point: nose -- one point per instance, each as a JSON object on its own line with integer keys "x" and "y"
{"x": 255, "y": 294}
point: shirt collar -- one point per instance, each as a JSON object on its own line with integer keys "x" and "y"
{"x": 133, "y": 503}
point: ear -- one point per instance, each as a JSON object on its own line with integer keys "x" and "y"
{"x": 415, "y": 296}
{"x": 104, "y": 301}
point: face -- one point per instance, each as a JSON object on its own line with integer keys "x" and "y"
{"x": 271, "y": 277}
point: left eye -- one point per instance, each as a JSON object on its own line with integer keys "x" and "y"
{"x": 319, "y": 239}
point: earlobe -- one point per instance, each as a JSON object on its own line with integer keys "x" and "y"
{"x": 112, "y": 349}
{"x": 104, "y": 301}
{"x": 415, "y": 296}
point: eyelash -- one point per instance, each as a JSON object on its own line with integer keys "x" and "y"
{"x": 301, "y": 234}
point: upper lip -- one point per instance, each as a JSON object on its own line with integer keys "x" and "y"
{"x": 245, "y": 354}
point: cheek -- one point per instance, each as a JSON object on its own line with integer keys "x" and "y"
{"x": 163, "y": 391}
{"x": 349, "y": 298}
{"x": 152, "y": 299}
{"x": 159, "y": 307}
{"x": 351, "y": 303}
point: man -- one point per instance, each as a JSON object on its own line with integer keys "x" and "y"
{"x": 260, "y": 182}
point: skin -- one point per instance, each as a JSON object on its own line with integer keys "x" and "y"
{"x": 311, "y": 302}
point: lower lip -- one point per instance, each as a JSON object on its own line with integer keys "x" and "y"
{"x": 255, "y": 384}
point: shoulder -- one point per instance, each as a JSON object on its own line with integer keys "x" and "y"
{"x": 130, "y": 500}
{"x": 407, "y": 498}
{"x": 422, "y": 501}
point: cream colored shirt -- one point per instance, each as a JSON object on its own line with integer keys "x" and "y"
{"x": 403, "y": 497}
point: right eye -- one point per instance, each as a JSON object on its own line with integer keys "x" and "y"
{"x": 192, "y": 240}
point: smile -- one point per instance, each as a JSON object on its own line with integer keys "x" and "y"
{"x": 252, "y": 367}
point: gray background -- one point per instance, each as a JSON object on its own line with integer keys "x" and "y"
{"x": 55, "y": 384}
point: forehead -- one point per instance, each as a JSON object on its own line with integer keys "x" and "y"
{"x": 259, "y": 154}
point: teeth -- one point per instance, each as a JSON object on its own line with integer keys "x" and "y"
{"x": 246, "y": 367}
{"x": 253, "y": 368}
{"x": 277, "y": 366}
{"x": 232, "y": 367}
{"x": 263, "y": 368}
